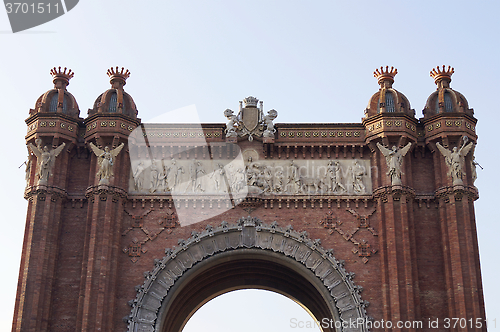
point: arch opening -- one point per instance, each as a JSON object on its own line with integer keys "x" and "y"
{"x": 244, "y": 269}
{"x": 252, "y": 310}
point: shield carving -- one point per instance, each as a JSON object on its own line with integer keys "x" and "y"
{"x": 250, "y": 118}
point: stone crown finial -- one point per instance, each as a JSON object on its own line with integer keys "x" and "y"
{"x": 250, "y": 102}
{"x": 116, "y": 75}
{"x": 62, "y": 75}
{"x": 442, "y": 74}
{"x": 385, "y": 74}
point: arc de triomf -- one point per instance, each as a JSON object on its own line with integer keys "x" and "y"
{"x": 132, "y": 226}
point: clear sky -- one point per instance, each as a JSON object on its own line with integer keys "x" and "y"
{"x": 312, "y": 61}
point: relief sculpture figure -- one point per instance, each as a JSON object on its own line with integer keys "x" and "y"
{"x": 139, "y": 176}
{"x": 177, "y": 173}
{"x": 45, "y": 160}
{"x": 455, "y": 160}
{"x": 293, "y": 184}
{"x": 394, "y": 159}
{"x": 358, "y": 172}
{"x": 105, "y": 160}
{"x": 334, "y": 177}
{"x": 219, "y": 177}
{"x": 155, "y": 177}
{"x": 194, "y": 170}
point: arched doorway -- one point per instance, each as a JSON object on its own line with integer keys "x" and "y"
{"x": 248, "y": 254}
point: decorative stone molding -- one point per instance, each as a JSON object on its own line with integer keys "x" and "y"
{"x": 246, "y": 233}
{"x": 396, "y": 191}
{"x": 458, "y": 191}
{"x": 41, "y": 191}
{"x": 103, "y": 191}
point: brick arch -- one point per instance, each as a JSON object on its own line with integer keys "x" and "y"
{"x": 248, "y": 254}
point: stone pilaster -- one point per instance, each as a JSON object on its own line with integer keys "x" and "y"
{"x": 400, "y": 289}
{"x": 461, "y": 255}
{"x": 97, "y": 289}
{"x": 36, "y": 275}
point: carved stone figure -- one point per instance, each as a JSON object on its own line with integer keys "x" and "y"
{"x": 154, "y": 176}
{"x": 293, "y": 184}
{"x": 139, "y": 176}
{"x": 455, "y": 160}
{"x": 474, "y": 163}
{"x": 252, "y": 172}
{"x": 194, "y": 169}
{"x": 105, "y": 159}
{"x": 268, "y": 179}
{"x": 311, "y": 182}
{"x": 45, "y": 160}
{"x": 268, "y": 122}
{"x": 219, "y": 177}
{"x": 163, "y": 177}
{"x": 27, "y": 171}
{"x": 334, "y": 175}
{"x": 394, "y": 159}
{"x": 358, "y": 172}
{"x": 177, "y": 172}
{"x": 232, "y": 123}
{"x": 238, "y": 180}
{"x": 279, "y": 183}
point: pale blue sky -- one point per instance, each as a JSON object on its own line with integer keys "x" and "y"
{"x": 312, "y": 61}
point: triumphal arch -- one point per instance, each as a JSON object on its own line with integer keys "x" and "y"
{"x": 133, "y": 226}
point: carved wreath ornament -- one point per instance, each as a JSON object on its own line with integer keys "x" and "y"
{"x": 246, "y": 233}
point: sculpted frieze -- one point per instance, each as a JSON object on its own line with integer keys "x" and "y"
{"x": 264, "y": 177}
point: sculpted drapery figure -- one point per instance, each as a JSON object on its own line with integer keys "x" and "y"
{"x": 394, "y": 160}
{"x": 45, "y": 160}
{"x": 27, "y": 171}
{"x": 455, "y": 160}
{"x": 139, "y": 176}
{"x": 154, "y": 177}
{"x": 195, "y": 169}
{"x": 293, "y": 184}
{"x": 474, "y": 164}
{"x": 219, "y": 177}
{"x": 358, "y": 172}
{"x": 105, "y": 160}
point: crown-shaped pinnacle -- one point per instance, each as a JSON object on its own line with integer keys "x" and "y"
{"x": 440, "y": 74}
{"x": 115, "y": 72}
{"x": 62, "y": 75}
{"x": 385, "y": 74}
{"x": 118, "y": 75}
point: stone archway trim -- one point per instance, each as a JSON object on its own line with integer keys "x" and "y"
{"x": 246, "y": 233}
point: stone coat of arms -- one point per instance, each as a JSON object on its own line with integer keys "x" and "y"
{"x": 250, "y": 120}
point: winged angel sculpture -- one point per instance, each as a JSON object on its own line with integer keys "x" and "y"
{"x": 45, "y": 160}
{"x": 394, "y": 160}
{"x": 105, "y": 159}
{"x": 455, "y": 159}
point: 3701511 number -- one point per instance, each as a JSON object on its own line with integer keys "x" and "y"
{"x": 24, "y": 8}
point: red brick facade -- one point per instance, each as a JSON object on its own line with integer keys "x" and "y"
{"x": 413, "y": 247}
